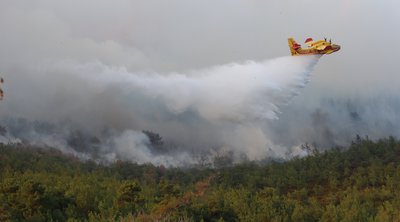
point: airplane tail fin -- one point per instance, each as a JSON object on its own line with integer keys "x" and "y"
{"x": 293, "y": 45}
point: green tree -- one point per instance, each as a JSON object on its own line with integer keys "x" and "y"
{"x": 130, "y": 199}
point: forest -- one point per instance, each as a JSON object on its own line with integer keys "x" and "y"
{"x": 355, "y": 183}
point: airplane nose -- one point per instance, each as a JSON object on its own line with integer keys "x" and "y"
{"x": 336, "y": 47}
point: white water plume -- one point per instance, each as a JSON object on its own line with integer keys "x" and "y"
{"x": 221, "y": 107}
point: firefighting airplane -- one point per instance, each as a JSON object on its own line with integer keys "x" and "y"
{"x": 320, "y": 47}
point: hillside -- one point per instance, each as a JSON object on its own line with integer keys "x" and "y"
{"x": 357, "y": 183}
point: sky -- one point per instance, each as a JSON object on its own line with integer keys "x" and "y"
{"x": 70, "y": 63}
{"x": 181, "y": 35}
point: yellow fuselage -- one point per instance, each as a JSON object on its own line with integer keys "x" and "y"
{"x": 314, "y": 51}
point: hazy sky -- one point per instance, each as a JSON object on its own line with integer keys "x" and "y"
{"x": 179, "y": 36}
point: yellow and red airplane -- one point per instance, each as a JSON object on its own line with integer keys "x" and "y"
{"x": 320, "y": 47}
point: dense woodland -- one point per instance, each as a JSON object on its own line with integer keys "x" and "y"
{"x": 357, "y": 183}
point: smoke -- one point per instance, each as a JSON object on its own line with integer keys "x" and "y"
{"x": 336, "y": 121}
{"x": 98, "y": 111}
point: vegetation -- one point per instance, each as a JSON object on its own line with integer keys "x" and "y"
{"x": 359, "y": 183}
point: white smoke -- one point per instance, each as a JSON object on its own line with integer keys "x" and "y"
{"x": 222, "y": 108}
{"x": 336, "y": 121}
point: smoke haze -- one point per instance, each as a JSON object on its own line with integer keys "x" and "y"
{"x": 218, "y": 108}
{"x": 209, "y": 77}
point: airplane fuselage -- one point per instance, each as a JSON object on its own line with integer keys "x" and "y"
{"x": 333, "y": 48}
